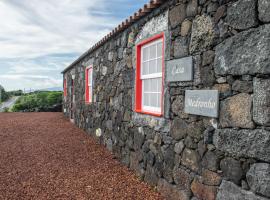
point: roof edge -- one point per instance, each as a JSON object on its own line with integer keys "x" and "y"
{"x": 147, "y": 8}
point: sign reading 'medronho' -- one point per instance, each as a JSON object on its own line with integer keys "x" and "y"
{"x": 202, "y": 102}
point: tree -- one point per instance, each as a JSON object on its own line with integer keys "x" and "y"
{"x": 3, "y": 94}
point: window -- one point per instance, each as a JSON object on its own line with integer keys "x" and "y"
{"x": 65, "y": 87}
{"x": 89, "y": 84}
{"x": 149, "y": 76}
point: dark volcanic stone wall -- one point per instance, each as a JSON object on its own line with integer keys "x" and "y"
{"x": 188, "y": 156}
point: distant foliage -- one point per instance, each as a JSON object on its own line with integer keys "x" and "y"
{"x": 39, "y": 102}
{"x": 3, "y": 94}
{"x": 15, "y": 93}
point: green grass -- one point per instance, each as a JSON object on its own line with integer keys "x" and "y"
{"x": 37, "y": 101}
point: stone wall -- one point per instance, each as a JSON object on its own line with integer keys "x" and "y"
{"x": 188, "y": 156}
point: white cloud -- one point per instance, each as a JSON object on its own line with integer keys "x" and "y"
{"x": 32, "y": 31}
{"x": 38, "y": 39}
{"x": 35, "y": 28}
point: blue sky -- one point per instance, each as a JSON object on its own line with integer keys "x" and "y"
{"x": 38, "y": 39}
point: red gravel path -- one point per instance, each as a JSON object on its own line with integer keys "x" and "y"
{"x": 43, "y": 156}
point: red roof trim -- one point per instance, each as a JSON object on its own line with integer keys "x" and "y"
{"x": 135, "y": 17}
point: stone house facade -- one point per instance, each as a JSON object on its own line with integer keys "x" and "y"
{"x": 142, "y": 113}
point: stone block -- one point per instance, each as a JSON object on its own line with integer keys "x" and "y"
{"x": 192, "y": 8}
{"x": 258, "y": 178}
{"x": 179, "y": 129}
{"x": 202, "y": 191}
{"x": 245, "y": 142}
{"x": 211, "y": 178}
{"x": 208, "y": 57}
{"x": 242, "y": 14}
{"x": 185, "y": 28}
{"x": 190, "y": 159}
{"x": 242, "y": 86}
{"x": 178, "y": 107}
{"x": 246, "y": 53}
{"x": 180, "y": 47}
{"x": 203, "y": 34}
{"x": 264, "y": 10}
{"x": 135, "y": 158}
{"x": 261, "y": 101}
{"x": 178, "y": 147}
{"x": 170, "y": 191}
{"x": 151, "y": 176}
{"x": 177, "y": 15}
{"x": 210, "y": 161}
{"x": 229, "y": 191}
{"x": 236, "y": 111}
{"x": 182, "y": 179}
{"x": 232, "y": 170}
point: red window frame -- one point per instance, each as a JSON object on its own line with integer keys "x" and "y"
{"x": 88, "y": 98}
{"x": 65, "y": 87}
{"x": 138, "y": 81}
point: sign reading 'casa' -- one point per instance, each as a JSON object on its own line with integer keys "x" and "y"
{"x": 202, "y": 102}
{"x": 180, "y": 70}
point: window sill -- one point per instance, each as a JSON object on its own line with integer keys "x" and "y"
{"x": 149, "y": 113}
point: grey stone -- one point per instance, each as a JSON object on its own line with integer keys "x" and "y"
{"x": 109, "y": 125}
{"x": 258, "y": 178}
{"x": 246, "y": 143}
{"x": 135, "y": 158}
{"x": 180, "y": 47}
{"x": 242, "y": 86}
{"x": 189, "y": 143}
{"x": 201, "y": 148}
{"x": 211, "y": 178}
{"x": 190, "y": 159}
{"x": 202, "y": 102}
{"x": 230, "y": 191}
{"x": 221, "y": 80}
{"x": 261, "y": 101}
{"x": 264, "y": 10}
{"x": 153, "y": 26}
{"x": 138, "y": 140}
{"x": 178, "y": 147}
{"x": 219, "y": 13}
{"x": 179, "y": 70}
{"x": 210, "y": 161}
{"x": 179, "y": 129}
{"x": 195, "y": 130}
{"x": 177, "y": 15}
{"x": 212, "y": 7}
{"x": 182, "y": 178}
{"x": 168, "y": 156}
{"x": 204, "y": 192}
{"x": 110, "y": 55}
{"x": 192, "y": 8}
{"x": 236, "y": 111}
{"x": 170, "y": 191}
{"x": 178, "y": 107}
{"x": 208, "y": 57}
{"x": 232, "y": 170}
{"x": 245, "y": 53}
{"x": 151, "y": 176}
{"x": 203, "y": 34}
{"x": 207, "y": 76}
{"x": 244, "y": 185}
{"x": 185, "y": 28}
{"x": 109, "y": 144}
{"x": 242, "y": 14}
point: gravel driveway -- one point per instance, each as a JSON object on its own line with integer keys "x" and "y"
{"x": 44, "y": 156}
